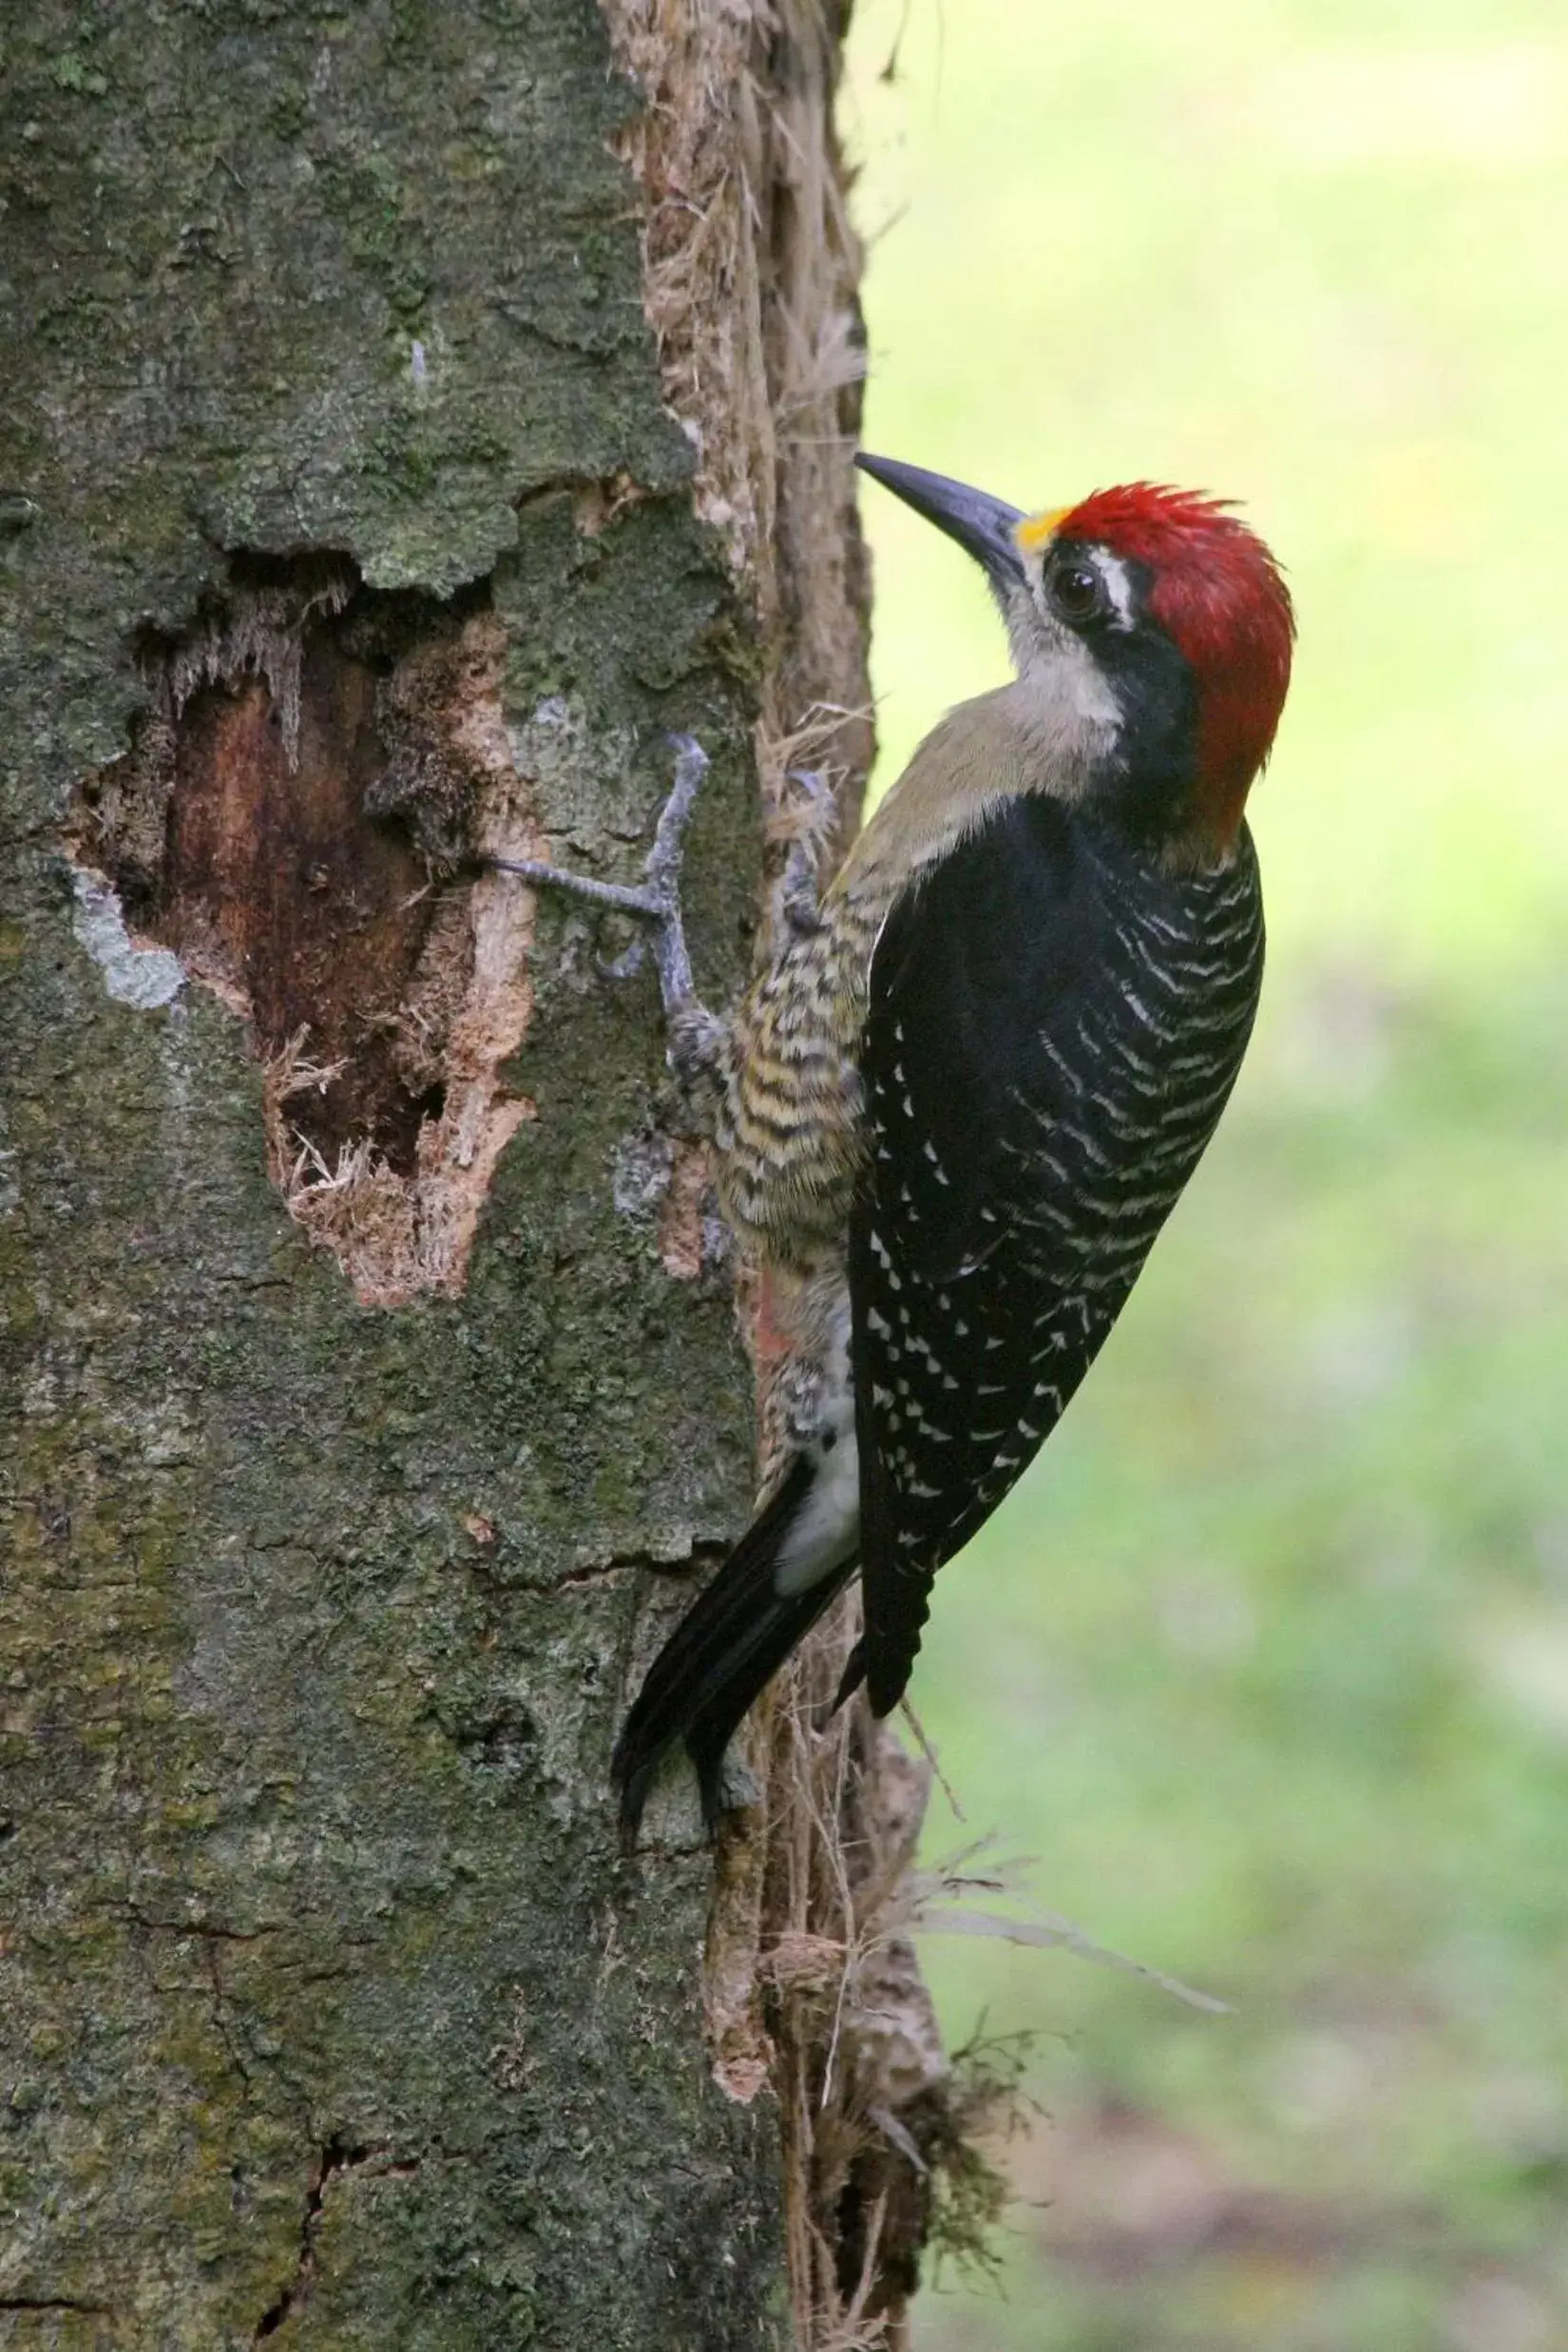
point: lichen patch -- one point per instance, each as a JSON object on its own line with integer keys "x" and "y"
{"x": 133, "y": 974}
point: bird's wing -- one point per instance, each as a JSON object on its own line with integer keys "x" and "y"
{"x": 1036, "y": 1096}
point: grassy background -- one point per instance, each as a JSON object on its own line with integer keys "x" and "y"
{"x": 1267, "y": 1659}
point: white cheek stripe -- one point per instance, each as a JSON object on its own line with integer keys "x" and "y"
{"x": 1117, "y": 585}
{"x": 1070, "y": 694}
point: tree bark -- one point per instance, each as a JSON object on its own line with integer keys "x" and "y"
{"x": 417, "y": 413}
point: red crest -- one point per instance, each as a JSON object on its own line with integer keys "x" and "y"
{"x": 1218, "y": 594}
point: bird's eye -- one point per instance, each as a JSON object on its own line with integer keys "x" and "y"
{"x": 1076, "y": 591}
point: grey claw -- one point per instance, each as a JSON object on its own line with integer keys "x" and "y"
{"x": 696, "y": 1036}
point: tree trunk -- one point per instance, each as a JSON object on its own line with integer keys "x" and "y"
{"x": 422, "y": 413}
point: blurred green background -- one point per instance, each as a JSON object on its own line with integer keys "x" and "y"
{"x": 1267, "y": 1659}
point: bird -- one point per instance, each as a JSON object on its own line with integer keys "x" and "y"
{"x": 967, "y": 1087}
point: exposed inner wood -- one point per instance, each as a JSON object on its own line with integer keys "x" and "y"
{"x": 277, "y": 884}
{"x": 317, "y": 762}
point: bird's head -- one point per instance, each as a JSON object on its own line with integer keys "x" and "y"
{"x": 1152, "y": 634}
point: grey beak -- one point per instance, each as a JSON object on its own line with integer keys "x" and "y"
{"x": 981, "y": 523}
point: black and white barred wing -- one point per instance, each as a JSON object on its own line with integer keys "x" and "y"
{"x": 1053, "y": 1029}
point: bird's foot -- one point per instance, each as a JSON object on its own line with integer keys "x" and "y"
{"x": 696, "y": 1035}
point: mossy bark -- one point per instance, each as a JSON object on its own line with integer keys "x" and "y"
{"x": 328, "y": 2011}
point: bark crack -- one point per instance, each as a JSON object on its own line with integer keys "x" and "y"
{"x": 700, "y": 1557}
{"x": 220, "y": 1999}
{"x": 336, "y": 2155}
{"x": 55, "y": 2303}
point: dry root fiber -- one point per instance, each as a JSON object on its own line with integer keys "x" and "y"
{"x": 750, "y": 268}
{"x": 815, "y": 1992}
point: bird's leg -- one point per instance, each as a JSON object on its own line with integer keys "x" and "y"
{"x": 695, "y": 1035}
{"x": 798, "y": 897}
{"x": 799, "y": 893}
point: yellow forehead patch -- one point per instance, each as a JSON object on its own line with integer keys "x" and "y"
{"x": 1038, "y": 530}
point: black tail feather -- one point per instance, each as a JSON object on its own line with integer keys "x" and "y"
{"x": 728, "y": 1646}
{"x": 852, "y": 1676}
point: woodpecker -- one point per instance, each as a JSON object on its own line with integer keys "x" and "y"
{"x": 964, "y": 1092}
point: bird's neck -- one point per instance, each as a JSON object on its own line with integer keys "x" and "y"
{"x": 1012, "y": 742}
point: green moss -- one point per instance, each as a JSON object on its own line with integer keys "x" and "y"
{"x": 72, "y": 74}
